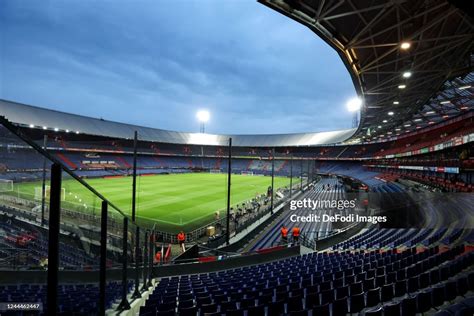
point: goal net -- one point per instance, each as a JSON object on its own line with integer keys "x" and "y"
{"x": 215, "y": 171}
{"x": 246, "y": 173}
{"x": 6, "y": 185}
{"x": 47, "y": 191}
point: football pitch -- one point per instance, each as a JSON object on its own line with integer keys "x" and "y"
{"x": 172, "y": 201}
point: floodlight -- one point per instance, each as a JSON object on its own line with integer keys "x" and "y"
{"x": 406, "y": 74}
{"x": 203, "y": 116}
{"x": 405, "y": 45}
{"x": 354, "y": 104}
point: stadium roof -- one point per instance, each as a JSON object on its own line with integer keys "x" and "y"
{"x": 399, "y": 53}
{"x": 36, "y": 117}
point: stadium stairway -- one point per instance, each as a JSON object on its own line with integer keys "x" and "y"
{"x": 270, "y": 236}
{"x": 67, "y": 161}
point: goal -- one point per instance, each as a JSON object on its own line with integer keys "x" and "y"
{"x": 6, "y": 185}
{"x": 47, "y": 192}
{"x": 215, "y": 171}
{"x": 246, "y": 173}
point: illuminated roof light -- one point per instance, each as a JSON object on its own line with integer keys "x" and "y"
{"x": 402, "y": 86}
{"x": 380, "y": 126}
{"x": 405, "y": 45}
{"x": 354, "y": 104}
{"x": 430, "y": 122}
{"x": 390, "y": 113}
{"x": 407, "y": 125}
{"x": 418, "y": 127}
{"x": 445, "y": 102}
{"x": 430, "y": 112}
{"x": 406, "y": 74}
{"x": 384, "y": 121}
{"x": 396, "y": 102}
{"x": 67, "y": 131}
{"x": 77, "y": 132}
{"x": 464, "y": 87}
{"x": 398, "y": 129}
{"x": 389, "y": 133}
{"x": 464, "y": 107}
{"x": 32, "y": 126}
{"x": 445, "y": 116}
{"x": 44, "y": 127}
{"x": 417, "y": 120}
{"x": 56, "y": 129}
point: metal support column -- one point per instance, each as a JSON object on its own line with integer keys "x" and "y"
{"x": 43, "y": 186}
{"x": 124, "y": 304}
{"x": 229, "y": 174}
{"x": 136, "y": 293}
{"x": 273, "y": 179}
{"x": 103, "y": 258}
{"x": 145, "y": 262}
{"x": 151, "y": 258}
{"x": 291, "y": 176}
{"x": 53, "y": 241}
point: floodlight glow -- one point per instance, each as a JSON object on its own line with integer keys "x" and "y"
{"x": 67, "y": 131}
{"x": 384, "y": 121}
{"x": 402, "y": 86}
{"x": 77, "y": 132}
{"x": 406, "y": 74}
{"x": 44, "y": 127}
{"x": 354, "y": 104}
{"x": 405, "y": 45}
{"x": 396, "y": 102}
{"x": 56, "y": 129}
{"x": 203, "y": 116}
{"x": 32, "y": 126}
{"x": 390, "y": 113}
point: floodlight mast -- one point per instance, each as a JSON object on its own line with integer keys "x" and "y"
{"x": 203, "y": 117}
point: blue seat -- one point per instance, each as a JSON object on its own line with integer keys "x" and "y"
{"x": 356, "y": 303}
{"x": 392, "y": 309}
{"x": 321, "y": 310}
{"x": 423, "y": 302}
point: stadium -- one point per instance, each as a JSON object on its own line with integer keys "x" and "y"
{"x": 100, "y": 217}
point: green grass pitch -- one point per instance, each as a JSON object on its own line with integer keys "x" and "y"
{"x": 172, "y": 201}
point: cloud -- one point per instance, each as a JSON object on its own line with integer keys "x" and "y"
{"x": 154, "y": 63}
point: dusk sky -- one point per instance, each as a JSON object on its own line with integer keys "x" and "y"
{"x": 156, "y": 63}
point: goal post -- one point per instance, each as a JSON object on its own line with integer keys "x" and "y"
{"x": 246, "y": 173}
{"x": 6, "y": 185}
{"x": 47, "y": 191}
{"x": 215, "y": 171}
